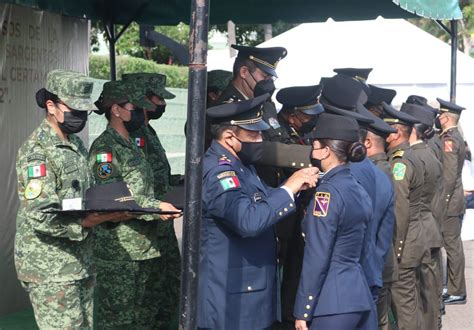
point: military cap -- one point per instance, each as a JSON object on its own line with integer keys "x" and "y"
{"x": 362, "y": 119}
{"x": 419, "y": 112}
{"x": 393, "y": 116}
{"x": 301, "y": 98}
{"x": 218, "y": 79}
{"x": 342, "y": 92}
{"x": 361, "y": 74}
{"x": 111, "y": 197}
{"x": 379, "y": 95}
{"x": 445, "y": 106}
{"x": 152, "y": 82}
{"x": 416, "y": 99}
{"x": 266, "y": 59}
{"x": 117, "y": 92}
{"x": 72, "y": 88}
{"x": 245, "y": 114}
{"x": 377, "y": 126}
{"x": 335, "y": 127}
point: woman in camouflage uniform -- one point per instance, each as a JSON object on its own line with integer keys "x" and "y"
{"x": 53, "y": 252}
{"x": 131, "y": 286}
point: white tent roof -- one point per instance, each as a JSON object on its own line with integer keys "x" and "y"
{"x": 398, "y": 51}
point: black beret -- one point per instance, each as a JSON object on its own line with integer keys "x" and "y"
{"x": 335, "y": 127}
{"x": 246, "y": 114}
{"x": 379, "y": 95}
{"x": 419, "y": 112}
{"x": 416, "y": 99}
{"x": 266, "y": 59}
{"x": 302, "y": 98}
{"x": 342, "y": 92}
{"x": 393, "y": 116}
{"x": 445, "y": 106}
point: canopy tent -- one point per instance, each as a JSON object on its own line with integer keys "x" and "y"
{"x": 246, "y": 11}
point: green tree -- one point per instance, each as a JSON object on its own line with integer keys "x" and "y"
{"x": 465, "y": 27}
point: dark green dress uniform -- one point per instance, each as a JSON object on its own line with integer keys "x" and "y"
{"x": 453, "y": 158}
{"x": 430, "y": 279}
{"x": 408, "y": 179}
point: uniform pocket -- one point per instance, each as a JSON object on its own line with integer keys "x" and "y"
{"x": 246, "y": 279}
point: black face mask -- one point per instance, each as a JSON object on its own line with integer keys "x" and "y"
{"x": 308, "y": 126}
{"x": 437, "y": 123}
{"x": 316, "y": 163}
{"x": 250, "y": 152}
{"x": 263, "y": 87}
{"x": 136, "y": 121}
{"x": 74, "y": 121}
{"x": 159, "y": 111}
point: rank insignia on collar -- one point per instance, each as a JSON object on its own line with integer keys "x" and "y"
{"x": 321, "y": 204}
{"x": 223, "y": 160}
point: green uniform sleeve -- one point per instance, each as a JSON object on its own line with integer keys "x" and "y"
{"x": 450, "y": 166}
{"x": 402, "y": 175}
{"x": 37, "y": 186}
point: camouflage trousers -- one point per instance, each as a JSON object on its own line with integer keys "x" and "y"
{"x": 138, "y": 294}
{"x": 62, "y": 305}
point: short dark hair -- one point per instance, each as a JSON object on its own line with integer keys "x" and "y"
{"x": 217, "y": 129}
{"x": 240, "y": 62}
{"x": 362, "y": 135}
{"x": 345, "y": 150}
{"x": 405, "y": 130}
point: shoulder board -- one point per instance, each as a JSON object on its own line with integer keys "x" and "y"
{"x": 398, "y": 154}
{"x": 224, "y": 160}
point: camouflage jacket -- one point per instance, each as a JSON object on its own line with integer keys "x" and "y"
{"x": 51, "y": 247}
{"x": 146, "y": 139}
{"x": 112, "y": 158}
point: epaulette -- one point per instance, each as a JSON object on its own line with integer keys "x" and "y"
{"x": 398, "y": 154}
{"x": 224, "y": 160}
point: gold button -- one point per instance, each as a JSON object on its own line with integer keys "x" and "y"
{"x": 302, "y": 234}
{"x": 280, "y": 213}
{"x": 293, "y": 164}
{"x": 285, "y": 209}
{"x": 249, "y": 288}
{"x": 305, "y": 315}
{"x": 401, "y": 242}
{"x": 308, "y": 307}
{"x": 302, "y": 164}
{"x": 400, "y": 248}
{"x": 310, "y": 297}
{"x": 398, "y": 255}
{"x": 291, "y": 205}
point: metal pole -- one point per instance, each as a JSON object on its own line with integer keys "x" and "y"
{"x": 199, "y": 27}
{"x": 454, "y": 48}
{"x": 111, "y": 36}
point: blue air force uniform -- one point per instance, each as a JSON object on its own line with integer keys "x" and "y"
{"x": 332, "y": 280}
{"x": 237, "y": 275}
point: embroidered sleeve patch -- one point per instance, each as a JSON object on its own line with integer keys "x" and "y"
{"x": 105, "y": 157}
{"x": 229, "y": 183}
{"x": 448, "y": 146}
{"x": 226, "y": 174}
{"x": 104, "y": 170}
{"x": 398, "y": 171}
{"x": 33, "y": 189}
{"x": 37, "y": 171}
{"x": 321, "y": 204}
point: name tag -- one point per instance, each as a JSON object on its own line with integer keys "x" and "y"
{"x": 72, "y": 204}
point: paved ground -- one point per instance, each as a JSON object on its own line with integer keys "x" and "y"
{"x": 460, "y": 317}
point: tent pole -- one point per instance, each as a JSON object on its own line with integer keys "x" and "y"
{"x": 454, "y": 48}
{"x": 199, "y": 27}
{"x": 110, "y": 29}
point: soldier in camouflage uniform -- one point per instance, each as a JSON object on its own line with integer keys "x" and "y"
{"x": 153, "y": 85}
{"x": 53, "y": 252}
{"x": 130, "y": 278}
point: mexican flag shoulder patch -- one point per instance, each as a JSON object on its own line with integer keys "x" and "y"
{"x": 104, "y": 157}
{"x": 37, "y": 171}
{"x": 229, "y": 182}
